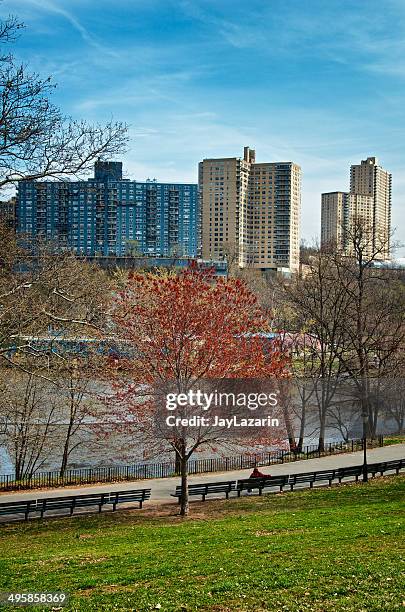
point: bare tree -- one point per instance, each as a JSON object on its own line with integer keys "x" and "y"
{"x": 9, "y": 29}
{"x": 40, "y": 296}
{"x": 30, "y": 416}
{"x": 319, "y": 303}
{"x": 77, "y": 400}
{"x": 307, "y": 251}
{"x": 36, "y": 140}
{"x": 231, "y": 256}
{"x": 373, "y": 322}
{"x": 305, "y": 377}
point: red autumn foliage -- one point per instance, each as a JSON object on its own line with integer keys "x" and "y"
{"x": 192, "y": 326}
{"x": 184, "y": 329}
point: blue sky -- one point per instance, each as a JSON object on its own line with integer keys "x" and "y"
{"x": 321, "y": 83}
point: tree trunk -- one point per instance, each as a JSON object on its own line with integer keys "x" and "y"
{"x": 65, "y": 455}
{"x": 302, "y": 424}
{"x": 177, "y": 464}
{"x": 325, "y": 400}
{"x": 321, "y": 441}
{"x": 18, "y": 470}
{"x": 63, "y": 464}
{"x": 184, "y": 505}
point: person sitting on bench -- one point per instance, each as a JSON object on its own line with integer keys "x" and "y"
{"x": 257, "y": 474}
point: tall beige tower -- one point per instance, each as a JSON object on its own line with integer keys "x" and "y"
{"x": 369, "y": 199}
{"x": 333, "y": 208}
{"x": 223, "y": 185}
{"x": 251, "y": 211}
{"x": 338, "y": 211}
{"x": 369, "y": 179}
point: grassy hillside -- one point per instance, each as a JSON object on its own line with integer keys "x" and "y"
{"x": 334, "y": 550}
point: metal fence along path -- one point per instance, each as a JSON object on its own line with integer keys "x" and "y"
{"x": 143, "y": 471}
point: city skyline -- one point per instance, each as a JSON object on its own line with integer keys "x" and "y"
{"x": 320, "y": 85}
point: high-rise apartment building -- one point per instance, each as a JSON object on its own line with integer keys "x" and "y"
{"x": 333, "y": 213}
{"x": 370, "y": 179}
{"x": 369, "y": 200}
{"x": 251, "y": 211}
{"x": 338, "y": 210}
{"x": 109, "y": 215}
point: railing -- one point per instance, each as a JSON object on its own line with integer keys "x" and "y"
{"x": 143, "y": 471}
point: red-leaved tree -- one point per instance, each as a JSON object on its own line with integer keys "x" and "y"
{"x": 183, "y": 329}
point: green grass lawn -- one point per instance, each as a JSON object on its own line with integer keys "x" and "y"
{"x": 323, "y": 550}
{"x": 390, "y": 440}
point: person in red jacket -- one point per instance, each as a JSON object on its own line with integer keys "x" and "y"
{"x": 257, "y": 474}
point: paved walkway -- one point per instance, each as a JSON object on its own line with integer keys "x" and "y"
{"x": 163, "y": 487}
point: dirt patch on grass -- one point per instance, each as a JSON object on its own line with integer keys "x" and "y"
{"x": 92, "y": 560}
{"x": 278, "y": 532}
{"x": 108, "y": 588}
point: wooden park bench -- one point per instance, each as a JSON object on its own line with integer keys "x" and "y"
{"x": 295, "y": 479}
{"x": 19, "y": 507}
{"x": 126, "y": 497}
{"x": 321, "y": 475}
{"x": 349, "y": 472}
{"x": 71, "y": 502}
{"x": 311, "y": 478}
{"x": 207, "y": 489}
{"x": 248, "y": 484}
{"x": 386, "y": 466}
{"x": 394, "y": 464}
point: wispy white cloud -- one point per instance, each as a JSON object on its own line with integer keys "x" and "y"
{"x": 165, "y": 87}
{"x": 354, "y": 37}
{"x": 57, "y": 9}
{"x": 239, "y": 35}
